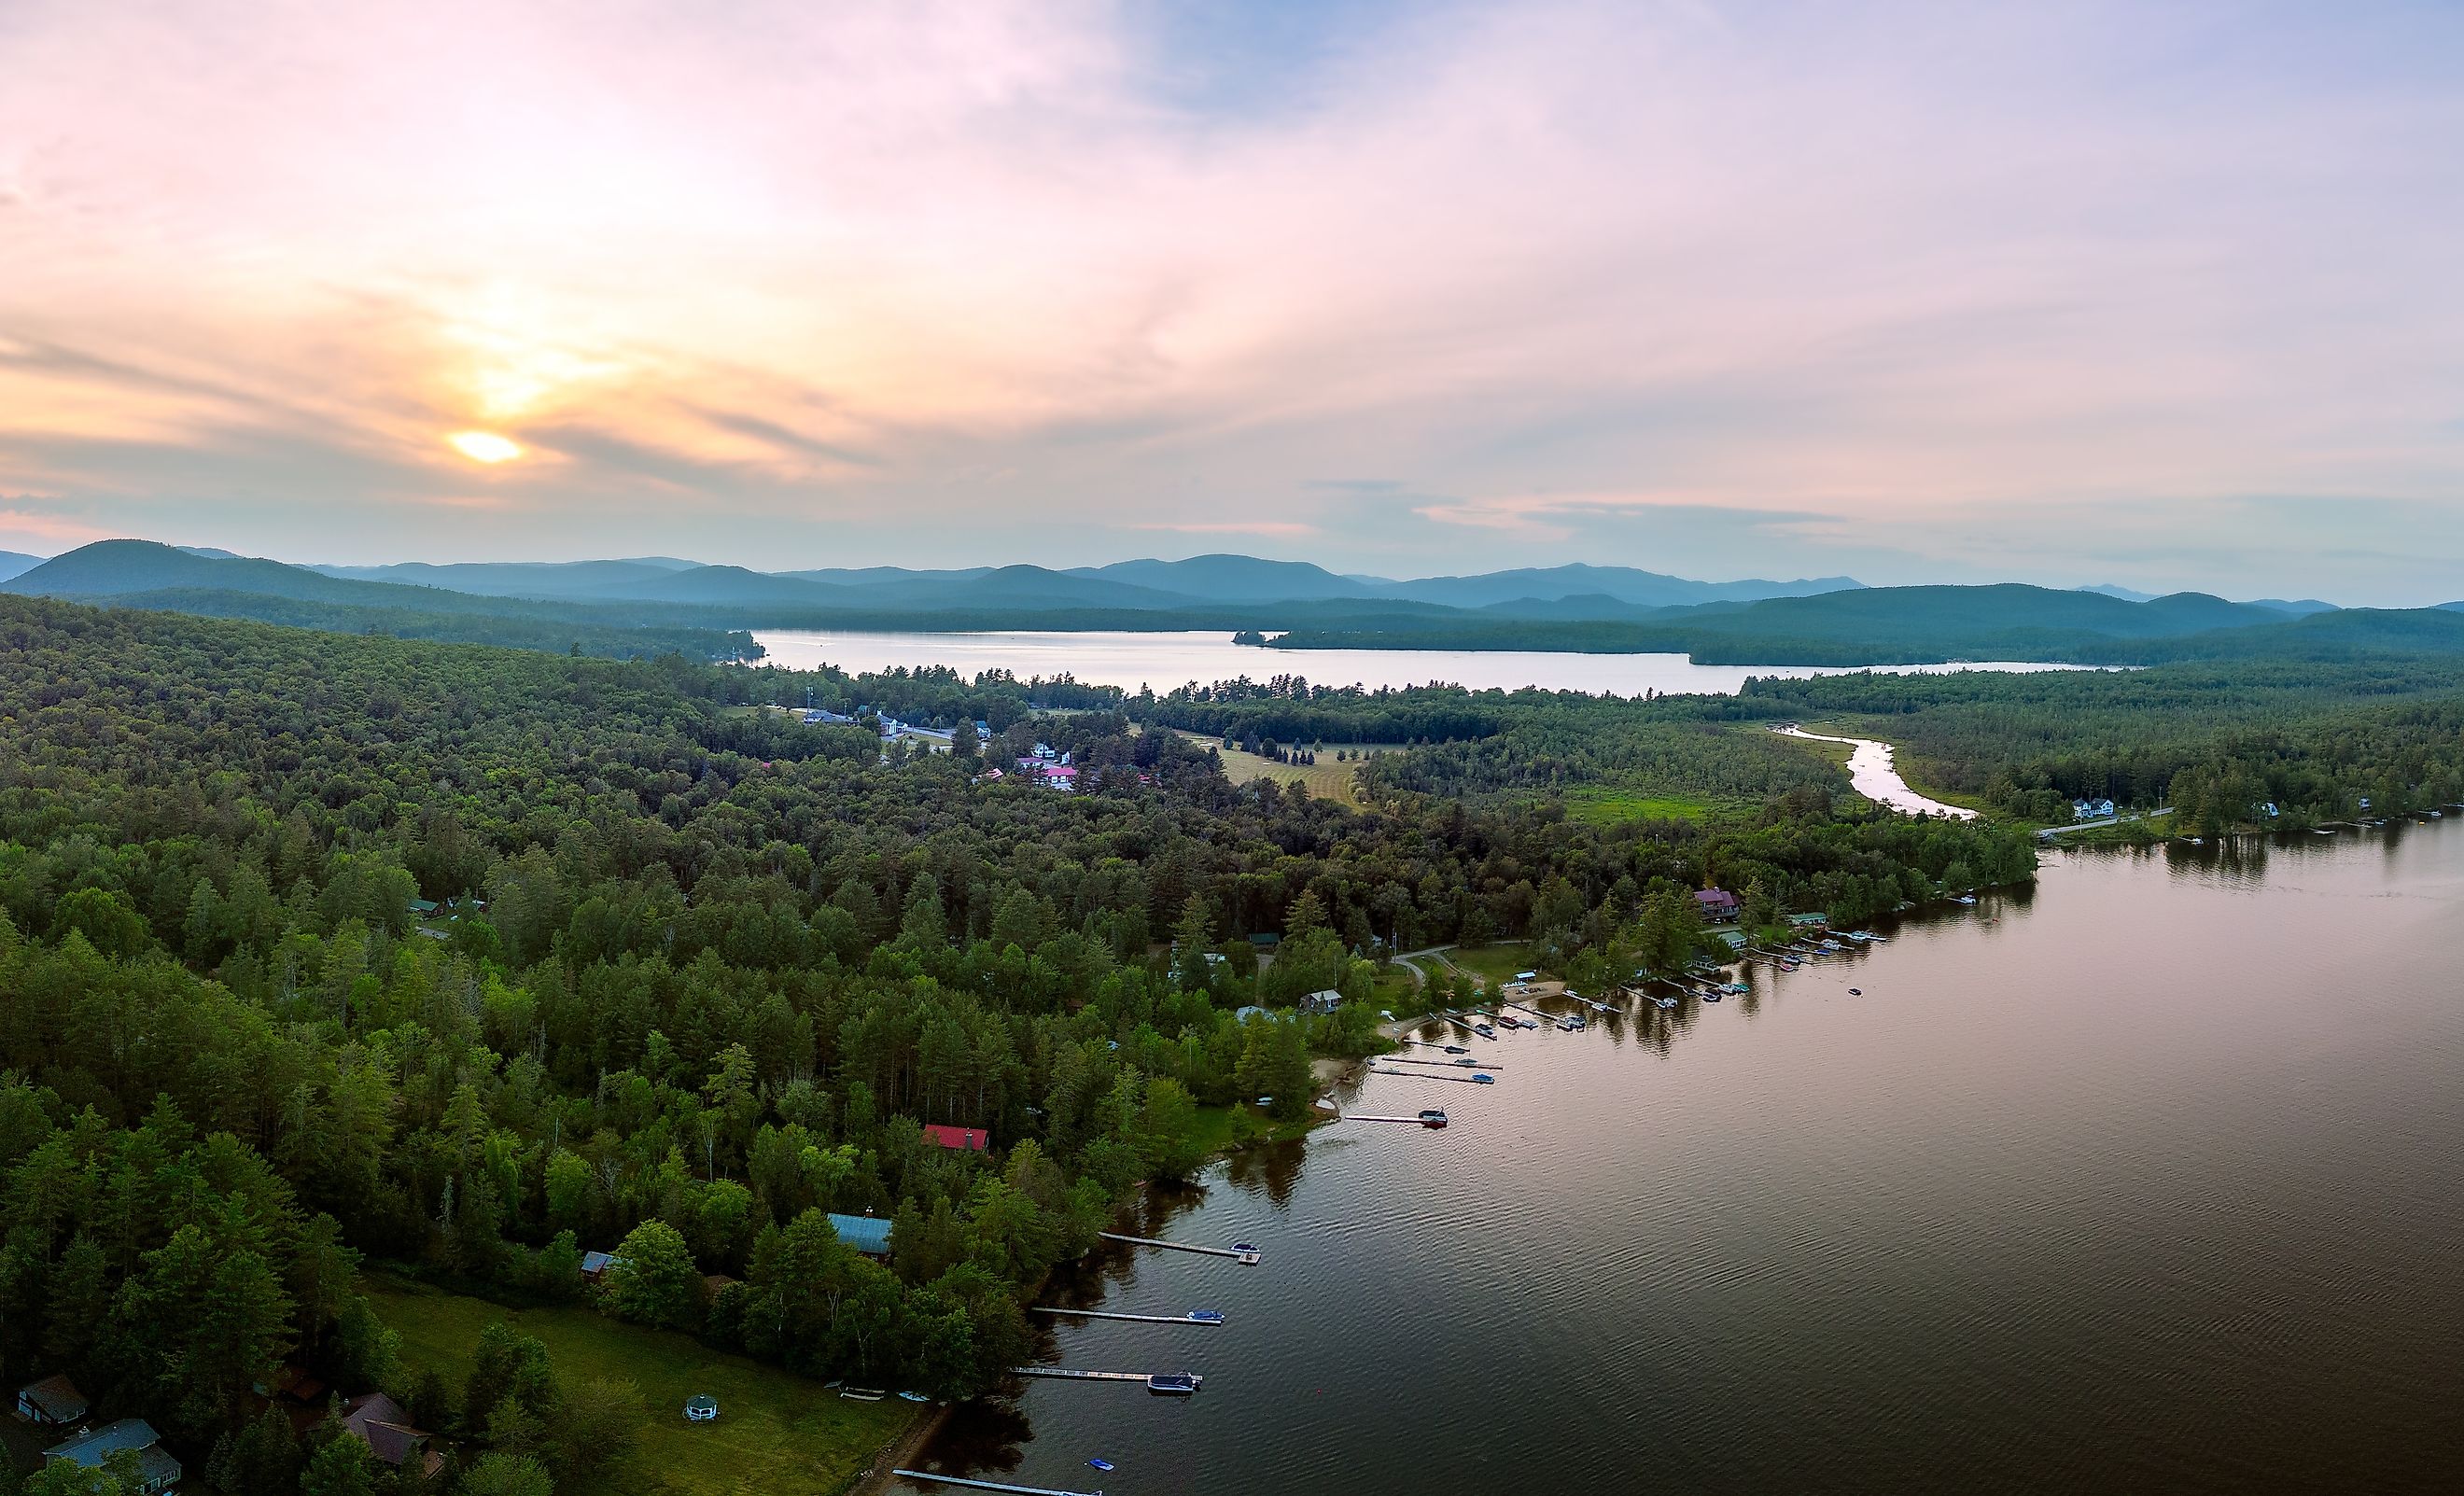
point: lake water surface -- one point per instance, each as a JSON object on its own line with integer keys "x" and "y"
{"x": 1166, "y": 660}
{"x": 2149, "y": 1180}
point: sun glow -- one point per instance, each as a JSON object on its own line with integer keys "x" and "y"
{"x": 485, "y": 446}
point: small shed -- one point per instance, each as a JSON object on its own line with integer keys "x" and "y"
{"x": 595, "y": 1265}
{"x": 866, "y": 1234}
{"x": 965, "y": 1139}
{"x": 54, "y": 1401}
{"x": 703, "y": 1409}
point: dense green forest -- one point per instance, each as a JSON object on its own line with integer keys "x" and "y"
{"x": 695, "y": 975}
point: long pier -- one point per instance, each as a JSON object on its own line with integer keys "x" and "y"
{"x": 1371, "y": 1116}
{"x": 1141, "y": 1319}
{"x": 1442, "y": 1064}
{"x": 1245, "y": 1259}
{"x": 989, "y": 1485}
{"x": 1424, "y": 1075}
{"x": 1065, "y": 1375}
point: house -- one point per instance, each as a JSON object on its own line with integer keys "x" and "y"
{"x": 1317, "y": 1005}
{"x": 595, "y": 1266}
{"x": 965, "y": 1139}
{"x": 379, "y": 1422}
{"x": 866, "y": 1234}
{"x": 54, "y": 1401}
{"x": 156, "y": 1469}
{"x": 2091, "y": 810}
{"x": 423, "y": 909}
{"x": 1716, "y": 906}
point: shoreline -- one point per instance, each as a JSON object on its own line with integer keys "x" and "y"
{"x": 902, "y": 1452}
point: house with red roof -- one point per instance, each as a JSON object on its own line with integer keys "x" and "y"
{"x": 966, "y": 1139}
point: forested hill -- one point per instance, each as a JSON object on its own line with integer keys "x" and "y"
{"x": 1930, "y": 625}
{"x": 141, "y": 574}
{"x": 653, "y": 605}
{"x": 696, "y": 975}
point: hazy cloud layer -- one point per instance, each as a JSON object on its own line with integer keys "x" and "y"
{"x": 2164, "y": 296}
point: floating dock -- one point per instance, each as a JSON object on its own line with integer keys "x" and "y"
{"x": 1245, "y": 1259}
{"x": 1141, "y": 1319}
{"x": 1146, "y": 1379}
{"x": 1442, "y": 1064}
{"x": 1371, "y": 1116}
{"x": 988, "y": 1485}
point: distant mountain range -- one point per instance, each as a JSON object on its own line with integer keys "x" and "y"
{"x": 16, "y": 562}
{"x": 1830, "y": 620}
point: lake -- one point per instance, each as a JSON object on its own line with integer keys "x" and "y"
{"x": 1165, "y": 660}
{"x": 2147, "y": 1179}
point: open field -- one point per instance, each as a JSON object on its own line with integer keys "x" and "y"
{"x": 777, "y": 1434}
{"x": 1326, "y": 779}
{"x": 1601, "y": 805}
{"x": 1492, "y": 964}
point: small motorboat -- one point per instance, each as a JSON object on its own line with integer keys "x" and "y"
{"x": 1484, "y": 1030}
{"x": 1666, "y": 1002}
{"x": 915, "y": 1397}
{"x": 1969, "y": 899}
{"x": 1484, "y": 1080}
{"x": 1206, "y": 1316}
{"x": 1468, "y": 1064}
{"x": 1454, "y": 1049}
{"x": 1711, "y": 997}
{"x": 1855, "y": 992}
{"x": 1173, "y": 1384}
{"x": 1244, "y": 1246}
{"x": 1430, "y": 1116}
{"x": 1101, "y": 1463}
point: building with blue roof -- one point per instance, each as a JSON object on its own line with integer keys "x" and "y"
{"x": 866, "y": 1234}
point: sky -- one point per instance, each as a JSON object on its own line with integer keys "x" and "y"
{"x": 2161, "y": 295}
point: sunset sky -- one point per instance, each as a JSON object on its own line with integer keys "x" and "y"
{"x": 2163, "y": 295}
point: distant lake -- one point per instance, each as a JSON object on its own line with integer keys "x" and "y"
{"x": 1166, "y": 660}
{"x": 2144, "y": 1181}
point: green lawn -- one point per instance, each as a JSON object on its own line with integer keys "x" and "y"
{"x": 1492, "y": 964}
{"x": 1600, "y": 806}
{"x": 777, "y": 1434}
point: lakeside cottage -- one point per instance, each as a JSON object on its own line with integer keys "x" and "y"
{"x": 1716, "y": 906}
{"x": 156, "y": 1470}
{"x": 1317, "y": 1005}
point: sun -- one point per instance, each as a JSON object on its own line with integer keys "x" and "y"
{"x": 485, "y": 446}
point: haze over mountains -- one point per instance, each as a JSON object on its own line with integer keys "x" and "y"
{"x": 657, "y": 602}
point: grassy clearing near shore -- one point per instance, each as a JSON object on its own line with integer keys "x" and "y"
{"x": 1600, "y": 806}
{"x": 777, "y": 1434}
{"x": 1326, "y": 779}
{"x": 1492, "y": 964}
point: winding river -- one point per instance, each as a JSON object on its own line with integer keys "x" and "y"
{"x": 2144, "y": 1181}
{"x": 1871, "y": 771}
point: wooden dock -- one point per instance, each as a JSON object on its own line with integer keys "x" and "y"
{"x": 1371, "y": 1116}
{"x": 1431, "y": 1076}
{"x": 930, "y": 1478}
{"x": 1442, "y": 1064}
{"x": 1245, "y": 1259}
{"x": 1063, "y": 1374}
{"x": 1139, "y": 1319}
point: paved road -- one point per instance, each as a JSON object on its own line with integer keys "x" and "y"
{"x": 2051, "y": 831}
{"x": 1409, "y": 961}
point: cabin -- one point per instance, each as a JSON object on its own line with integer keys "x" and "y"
{"x": 156, "y": 1470}
{"x": 379, "y": 1422}
{"x": 866, "y": 1234}
{"x": 595, "y": 1266}
{"x": 1317, "y": 1005}
{"x": 965, "y": 1139}
{"x": 1716, "y": 906}
{"x": 53, "y": 1402}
